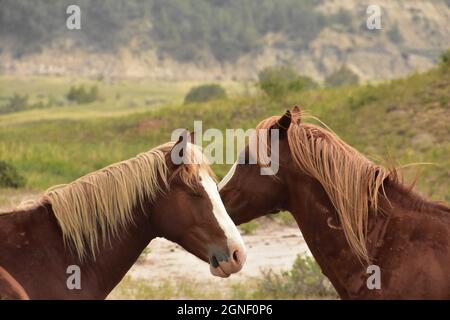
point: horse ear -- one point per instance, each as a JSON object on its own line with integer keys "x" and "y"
{"x": 285, "y": 121}
{"x": 283, "y": 124}
{"x": 296, "y": 114}
{"x": 178, "y": 151}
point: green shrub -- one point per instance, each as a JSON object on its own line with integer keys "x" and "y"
{"x": 278, "y": 81}
{"x": 15, "y": 104}
{"x": 204, "y": 93}
{"x": 18, "y": 103}
{"x": 362, "y": 98}
{"x": 304, "y": 280}
{"x": 249, "y": 227}
{"x": 9, "y": 177}
{"x": 81, "y": 95}
{"x": 284, "y": 218}
{"x": 445, "y": 58}
{"x": 342, "y": 77}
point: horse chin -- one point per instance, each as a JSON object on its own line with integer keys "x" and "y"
{"x": 218, "y": 272}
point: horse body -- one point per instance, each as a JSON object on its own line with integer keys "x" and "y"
{"x": 79, "y": 240}
{"x": 34, "y": 254}
{"x": 415, "y": 250}
{"x": 409, "y": 246}
{"x": 352, "y": 214}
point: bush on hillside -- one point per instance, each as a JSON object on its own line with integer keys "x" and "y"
{"x": 81, "y": 95}
{"x": 363, "y": 97}
{"x": 15, "y": 103}
{"x": 342, "y": 77}
{"x": 445, "y": 58}
{"x": 278, "y": 81}
{"x": 18, "y": 102}
{"x": 205, "y": 93}
{"x": 10, "y": 177}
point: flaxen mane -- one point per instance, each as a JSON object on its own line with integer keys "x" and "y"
{"x": 351, "y": 181}
{"x": 99, "y": 205}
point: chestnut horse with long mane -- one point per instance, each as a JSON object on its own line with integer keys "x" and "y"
{"x": 102, "y": 222}
{"x": 351, "y": 212}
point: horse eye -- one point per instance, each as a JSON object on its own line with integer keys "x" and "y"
{"x": 196, "y": 195}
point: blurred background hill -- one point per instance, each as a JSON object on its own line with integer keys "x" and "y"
{"x": 220, "y": 39}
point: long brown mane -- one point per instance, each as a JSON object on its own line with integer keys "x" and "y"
{"x": 99, "y": 205}
{"x": 351, "y": 181}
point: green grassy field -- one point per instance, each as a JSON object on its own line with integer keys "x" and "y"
{"x": 403, "y": 121}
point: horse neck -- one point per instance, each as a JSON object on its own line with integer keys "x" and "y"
{"x": 115, "y": 258}
{"x": 39, "y": 230}
{"x": 319, "y": 224}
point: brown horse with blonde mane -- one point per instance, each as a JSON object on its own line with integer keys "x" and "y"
{"x": 352, "y": 213}
{"x": 103, "y": 221}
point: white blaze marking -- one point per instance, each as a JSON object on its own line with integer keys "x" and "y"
{"x": 228, "y": 177}
{"x": 222, "y": 217}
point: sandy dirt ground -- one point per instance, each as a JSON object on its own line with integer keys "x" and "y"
{"x": 270, "y": 247}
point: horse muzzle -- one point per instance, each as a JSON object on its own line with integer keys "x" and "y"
{"x": 224, "y": 264}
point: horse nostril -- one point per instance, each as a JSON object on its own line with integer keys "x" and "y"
{"x": 214, "y": 262}
{"x": 236, "y": 256}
